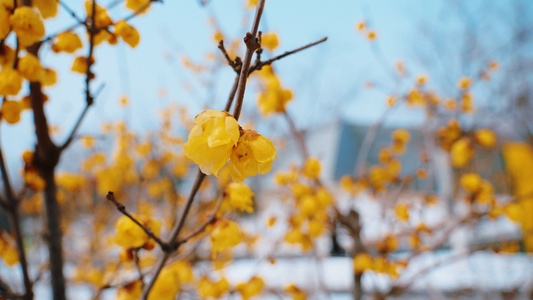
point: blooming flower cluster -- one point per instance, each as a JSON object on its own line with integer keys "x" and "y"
{"x": 217, "y": 138}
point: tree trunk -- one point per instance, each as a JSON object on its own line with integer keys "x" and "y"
{"x": 54, "y": 235}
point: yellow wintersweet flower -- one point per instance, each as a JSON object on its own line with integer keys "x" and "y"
{"x": 68, "y": 42}
{"x": 10, "y": 82}
{"x": 5, "y": 26}
{"x": 422, "y": 79}
{"x": 49, "y": 77}
{"x": 400, "y": 137}
{"x": 360, "y": 26}
{"x": 212, "y": 140}
{"x": 136, "y": 5}
{"x": 71, "y": 182}
{"x": 312, "y": 168}
{"x": 253, "y": 154}
{"x": 10, "y": 111}
{"x": 464, "y": 82}
{"x": 270, "y": 41}
{"x": 274, "y": 98}
{"x": 467, "y": 102}
{"x": 462, "y": 152}
{"x": 251, "y": 3}
{"x": 8, "y": 253}
{"x": 7, "y": 56}
{"x": 295, "y": 236}
{"x": 402, "y": 212}
{"x": 471, "y": 182}
{"x": 80, "y": 65}
{"x": 130, "y": 291}
{"x": 47, "y": 8}
{"x": 284, "y": 178}
{"x": 391, "y": 101}
{"x": 371, "y": 35}
{"x": 166, "y": 286}
{"x": 296, "y": 292}
{"x": 130, "y": 235}
{"x": 239, "y": 196}
{"x": 225, "y": 234}
{"x": 128, "y": 33}
{"x": 388, "y": 244}
{"x": 102, "y": 19}
{"x": 362, "y": 262}
{"x": 485, "y": 138}
{"x": 378, "y": 177}
{"x": 252, "y": 288}
{"x": 26, "y": 22}
{"x": 213, "y": 289}
{"x": 30, "y": 68}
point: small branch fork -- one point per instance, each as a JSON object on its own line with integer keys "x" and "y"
{"x": 236, "y": 65}
{"x": 121, "y": 208}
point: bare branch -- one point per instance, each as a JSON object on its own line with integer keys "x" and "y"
{"x": 259, "y": 64}
{"x": 251, "y": 45}
{"x": 14, "y": 218}
{"x": 236, "y": 65}
{"x": 121, "y": 208}
{"x": 232, "y": 93}
{"x": 210, "y": 220}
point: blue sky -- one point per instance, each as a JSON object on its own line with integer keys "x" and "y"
{"x": 328, "y": 80}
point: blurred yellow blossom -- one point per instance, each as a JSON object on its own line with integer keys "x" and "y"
{"x": 250, "y": 289}
{"x": 239, "y": 196}
{"x": 270, "y": 41}
{"x": 68, "y": 42}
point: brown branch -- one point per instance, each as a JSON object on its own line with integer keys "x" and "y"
{"x": 259, "y": 64}
{"x": 14, "y": 218}
{"x": 251, "y": 45}
{"x": 235, "y": 64}
{"x": 121, "y": 208}
{"x": 297, "y": 135}
{"x": 175, "y": 232}
{"x": 210, "y": 220}
{"x": 232, "y": 93}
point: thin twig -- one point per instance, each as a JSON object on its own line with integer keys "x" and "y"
{"x": 251, "y": 45}
{"x": 235, "y": 64}
{"x": 175, "y": 232}
{"x": 14, "y": 218}
{"x": 210, "y": 220}
{"x": 121, "y": 208}
{"x": 258, "y": 65}
{"x": 232, "y": 93}
{"x": 70, "y": 11}
{"x": 297, "y": 135}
